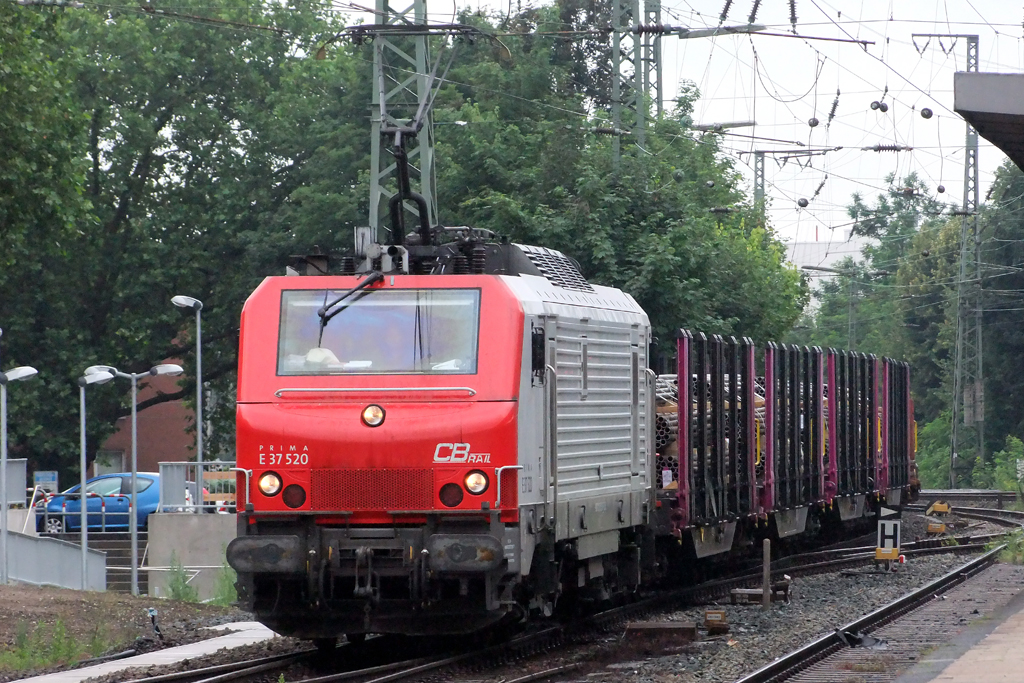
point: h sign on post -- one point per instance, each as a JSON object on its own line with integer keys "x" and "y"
{"x": 888, "y": 546}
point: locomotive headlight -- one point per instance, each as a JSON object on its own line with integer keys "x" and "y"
{"x": 373, "y": 416}
{"x": 476, "y": 482}
{"x": 270, "y": 484}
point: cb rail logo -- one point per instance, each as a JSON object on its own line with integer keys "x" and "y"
{"x": 458, "y": 452}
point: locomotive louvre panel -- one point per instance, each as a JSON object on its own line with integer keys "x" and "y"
{"x": 596, "y": 412}
{"x": 371, "y": 489}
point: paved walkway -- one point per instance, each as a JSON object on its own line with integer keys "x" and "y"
{"x": 986, "y": 651}
{"x": 998, "y": 658}
{"x": 245, "y": 633}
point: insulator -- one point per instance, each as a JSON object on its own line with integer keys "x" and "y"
{"x": 478, "y": 259}
{"x": 753, "y": 12}
{"x": 883, "y": 107}
{"x": 886, "y": 148}
{"x": 792, "y": 14}
{"x": 651, "y": 28}
{"x": 460, "y": 266}
{"x": 832, "y": 112}
{"x": 802, "y": 203}
{"x": 926, "y": 113}
{"x": 876, "y": 104}
{"x": 813, "y": 122}
{"x": 348, "y": 265}
{"x": 820, "y": 186}
{"x": 941, "y": 188}
{"x": 710, "y": 183}
{"x": 725, "y": 12}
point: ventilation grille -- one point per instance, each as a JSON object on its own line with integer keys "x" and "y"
{"x": 345, "y": 490}
{"x": 509, "y": 489}
{"x": 557, "y": 268}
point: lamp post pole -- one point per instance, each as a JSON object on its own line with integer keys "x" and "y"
{"x": 133, "y": 516}
{"x": 100, "y": 377}
{"x": 23, "y": 372}
{"x": 196, "y": 305}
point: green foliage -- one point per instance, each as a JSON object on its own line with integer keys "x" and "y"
{"x": 1014, "y": 551}
{"x": 179, "y": 586}
{"x": 186, "y": 157}
{"x": 933, "y": 452}
{"x": 224, "y": 592}
{"x": 41, "y": 647}
{"x": 1004, "y": 465}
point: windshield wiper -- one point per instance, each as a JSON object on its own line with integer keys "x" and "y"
{"x": 325, "y": 312}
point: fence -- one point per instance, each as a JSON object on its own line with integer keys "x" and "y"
{"x": 180, "y": 492}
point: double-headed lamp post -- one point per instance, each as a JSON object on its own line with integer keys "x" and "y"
{"x": 133, "y": 518}
{"x": 100, "y": 377}
{"x": 12, "y": 375}
{"x": 196, "y": 305}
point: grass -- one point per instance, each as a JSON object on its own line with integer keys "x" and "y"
{"x": 224, "y": 592}
{"x": 44, "y": 647}
{"x": 179, "y": 587}
{"x": 1014, "y": 551}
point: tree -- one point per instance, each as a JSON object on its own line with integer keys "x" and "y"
{"x": 208, "y": 162}
{"x": 216, "y": 146}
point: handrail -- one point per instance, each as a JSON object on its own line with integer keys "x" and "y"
{"x": 248, "y": 474}
{"x": 329, "y": 390}
{"x": 497, "y": 475}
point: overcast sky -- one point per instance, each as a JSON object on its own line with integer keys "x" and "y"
{"x": 782, "y": 82}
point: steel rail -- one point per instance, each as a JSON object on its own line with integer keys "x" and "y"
{"x": 790, "y": 664}
{"x": 1007, "y": 518}
{"x": 280, "y": 659}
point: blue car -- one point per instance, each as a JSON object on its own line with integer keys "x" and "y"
{"x": 107, "y": 507}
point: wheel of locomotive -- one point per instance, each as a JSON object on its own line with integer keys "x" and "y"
{"x": 356, "y": 638}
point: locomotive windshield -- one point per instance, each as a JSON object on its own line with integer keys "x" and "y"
{"x": 423, "y": 331}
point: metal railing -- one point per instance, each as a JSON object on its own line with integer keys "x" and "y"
{"x": 53, "y": 521}
{"x": 197, "y": 487}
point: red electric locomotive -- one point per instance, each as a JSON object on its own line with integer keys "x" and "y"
{"x": 432, "y": 453}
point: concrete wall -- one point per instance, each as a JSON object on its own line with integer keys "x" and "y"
{"x": 197, "y": 541}
{"x": 22, "y": 520}
{"x": 51, "y": 562}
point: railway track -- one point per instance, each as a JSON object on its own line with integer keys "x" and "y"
{"x": 546, "y": 638}
{"x": 1000, "y": 498}
{"x": 792, "y": 664}
{"x": 1006, "y": 518}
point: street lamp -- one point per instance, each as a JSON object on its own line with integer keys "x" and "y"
{"x": 100, "y": 377}
{"x": 13, "y": 375}
{"x": 133, "y": 522}
{"x": 851, "y": 273}
{"x": 196, "y": 305}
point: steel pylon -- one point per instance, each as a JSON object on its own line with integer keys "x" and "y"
{"x": 401, "y": 84}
